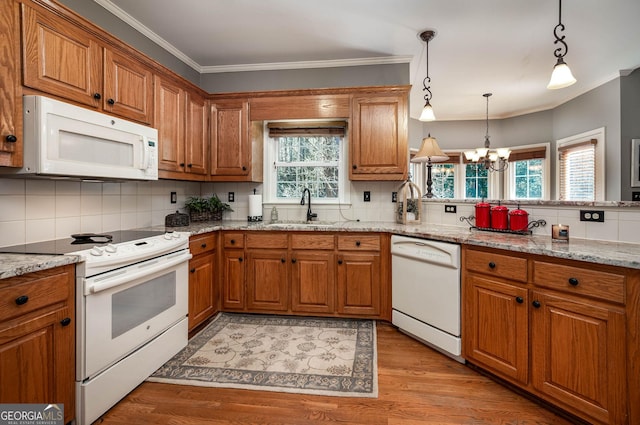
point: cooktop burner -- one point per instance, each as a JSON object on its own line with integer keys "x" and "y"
{"x": 75, "y": 242}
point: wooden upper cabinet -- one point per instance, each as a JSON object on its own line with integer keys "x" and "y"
{"x": 379, "y": 133}
{"x": 128, "y": 87}
{"x": 169, "y": 112}
{"x": 230, "y": 143}
{"x": 61, "y": 59}
{"x": 196, "y": 134}
{"x": 11, "y": 141}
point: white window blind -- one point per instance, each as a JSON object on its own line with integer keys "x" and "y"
{"x": 578, "y": 171}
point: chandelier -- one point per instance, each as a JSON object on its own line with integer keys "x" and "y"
{"x": 561, "y": 76}
{"x": 493, "y": 160}
{"x": 427, "y": 112}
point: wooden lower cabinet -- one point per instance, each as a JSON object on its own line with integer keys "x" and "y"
{"x": 267, "y": 280}
{"x": 201, "y": 289}
{"x": 313, "y": 282}
{"x": 37, "y": 339}
{"x": 233, "y": 291}
{"x": 359, "y": 284}
{"x": 551, "y": 329}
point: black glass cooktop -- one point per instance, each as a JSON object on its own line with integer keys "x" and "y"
{"x": 80, "y": 242}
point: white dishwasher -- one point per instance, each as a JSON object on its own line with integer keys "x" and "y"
{"x": 426, "y": 292}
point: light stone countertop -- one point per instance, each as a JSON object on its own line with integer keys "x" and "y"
{"x": 592, "y": 251}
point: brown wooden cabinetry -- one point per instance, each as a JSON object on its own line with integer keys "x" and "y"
{"x": 233, "y": 271}
{"x": 202, "y": 282}
{"x": 66, "y": 61}
{"x": 379, "y": 136}
{"x": 11, "y": 141}
{"x": 313, "y": 273}
{"x": 556, "y": 328}
{"x": 230, "y": 142}
{"x": 37, "y": 339}
{"x": 267, "y": 272}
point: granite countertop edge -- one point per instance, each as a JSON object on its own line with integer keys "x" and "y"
{"x": 619, "y": 254}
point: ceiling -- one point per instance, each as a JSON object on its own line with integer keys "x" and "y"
{"x": 499, "y": 46}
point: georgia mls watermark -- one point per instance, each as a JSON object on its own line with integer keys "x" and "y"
{"x": 31, "y": 414}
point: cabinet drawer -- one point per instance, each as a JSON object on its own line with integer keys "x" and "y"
{"x": 233, "y": 240}
{"x": 499, "y": 265}
{"x": 307, "y": 241}
{"x": 267, "y": 240}
{"x": 359, "y": 242}
{"x": 40, "y": 290}
{"x": 581, "y": 281}
{"x": 202, "y": 243}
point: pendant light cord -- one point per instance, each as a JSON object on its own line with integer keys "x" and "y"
{"x": 486, "y": 137}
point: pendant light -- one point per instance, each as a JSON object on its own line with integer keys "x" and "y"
{"x": 427, "y": 112}
{"x": 493, "y": 160}
{"x": 561, "y": 76}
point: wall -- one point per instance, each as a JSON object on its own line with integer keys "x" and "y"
{"x": 630, "y": 127}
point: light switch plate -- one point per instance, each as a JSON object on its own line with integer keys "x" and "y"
{"x": 394, "y": 196}
{"x": 367, "y": 196}
{"x": 174, "y": 197}
{"x": 231, "y": 197}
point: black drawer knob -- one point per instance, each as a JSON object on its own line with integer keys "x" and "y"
{"x": 519, "y": 300}
{"x": 536, "y": 304}
{"x": 204, "y": 245}
{"x": 97, "y": 96}
{"x": 293, "y": 260}
{"x": 66, "y": 321}
{"x": 192, "y": 270}
{"x": 189, "y": 165}
{"x": 240, "y": 259}
{"x": 354, "y": 166}
{"x": 357, "y": 243}
{"x": 244, "y": 168}
{"x": 339, "y": 261}
{"x": 11, "y": 138}
{"x": 492, "y": 265}
{"x": 182, "y": 164}
{"x": 573, "y": 281}
{"x": 111, "y": 102}
{"x": 22, "y": 299}
{"x": 282, "y": 260}
{"x": 232, "y": 241}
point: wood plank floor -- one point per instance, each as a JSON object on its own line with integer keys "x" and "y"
{"x": 416, "y": 386}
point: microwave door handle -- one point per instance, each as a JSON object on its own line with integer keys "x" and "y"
{"x": 153, "y": 267}
{"x": 145, "y": 152}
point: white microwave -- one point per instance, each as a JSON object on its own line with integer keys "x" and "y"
{"x": 62, "y": 140}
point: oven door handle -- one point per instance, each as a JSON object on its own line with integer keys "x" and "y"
{"x": 145, "y": 269}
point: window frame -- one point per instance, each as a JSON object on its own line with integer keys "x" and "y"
{"x": 270, "y": 178}
{"x": 509, "y": 177}
{"x": 599, "y": 135}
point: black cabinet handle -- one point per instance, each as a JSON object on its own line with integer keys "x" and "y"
{"x": 536, "y": 304}
{"x": 282, "y": 260}
{"x": 244, "y": 168}
{"x": 182, "y": 164}
{"x": 189, "y": 165}
{"x": 492, "y": 265}
{"x": 111, "y": 101}
{"x": 339, "y": 261}
{"x": 22, "y": 299}
{"x": 573, "y": 281}
{"x": 354, "y": 166}
{"x": 66, "y": 321}
{"x": 11, "y": 138}
{"x": 233, "y": 241}
{"x": 293, "y": 260}
{"x": 204, "y": 245}
{"x": 240, "y": 259}
{"x": 357, "y": 243}
{"x": 97, "y": 96}
{"x": 519, "y": 300}
{"x": 192, "y": 270}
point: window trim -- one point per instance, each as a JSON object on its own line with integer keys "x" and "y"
{"x": 509, "y": 177}
{"x": 599, "y": 135}
{"x": 269, "y": 183}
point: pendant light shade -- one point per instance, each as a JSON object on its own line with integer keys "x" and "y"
{"x": 427, "y": 112}
{"x": 561, "y": 76}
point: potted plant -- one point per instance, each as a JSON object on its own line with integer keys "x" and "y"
{"x": 198, "y": 208}
{"x": 217, "y": 207}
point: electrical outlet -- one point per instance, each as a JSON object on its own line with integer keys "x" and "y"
{"x": 367, "y": 196}
{"x": 635, "y": 196}
{"x": 174, "y": 197}
{"x": 231, "y": 197}
{"x": 450, "y": 208}
{"x": 592, "y": 215}
{"x": 394, "y": 196}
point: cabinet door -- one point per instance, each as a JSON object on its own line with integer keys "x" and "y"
{"x": 196, "y": 141}
{"x": 496, "y": 326}
{"x": 61, "y": 59}
{"x": 313, "y": 281}
{"x": 233, "y": 279}
{"x": 128, "y": 87}
{"x": 379, "y": 149}
{"x": 267, "y": 280}
{"x": 169, "y": 113}
{"x": 359, "y": 283}
{"x": 578, "y": 356}
{"x": 230, "y": 148}
{"x": 201, "y": 289}
{"x": 11, "y": 142}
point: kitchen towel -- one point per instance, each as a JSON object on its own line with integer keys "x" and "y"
{"x": 255, "y": 208}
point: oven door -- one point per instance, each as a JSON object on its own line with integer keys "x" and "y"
{"x": 126, "y": 308}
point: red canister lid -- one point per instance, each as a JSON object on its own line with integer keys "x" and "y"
{"x": 518, "y": 212}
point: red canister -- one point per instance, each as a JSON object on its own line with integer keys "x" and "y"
{"x": 499, "y": 217}
{"x": 483, "y": 215}
{"x": 518, "y": 220}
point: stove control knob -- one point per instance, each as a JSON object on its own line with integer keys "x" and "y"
{"x": 97, "y": 251}
{"x": 111, "y": 248}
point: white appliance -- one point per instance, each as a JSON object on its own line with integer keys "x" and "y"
{"x": 426, "y": 292}
{"x": 62, "y": 140}
{"x": 131, "y": 316}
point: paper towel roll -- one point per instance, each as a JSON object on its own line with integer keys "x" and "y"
{"x": 255, "y": 208}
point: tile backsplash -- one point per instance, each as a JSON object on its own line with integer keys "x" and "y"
{"x": 36, "y": 210}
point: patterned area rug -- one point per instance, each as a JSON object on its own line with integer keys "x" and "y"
{"x": 325, "y": 356}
